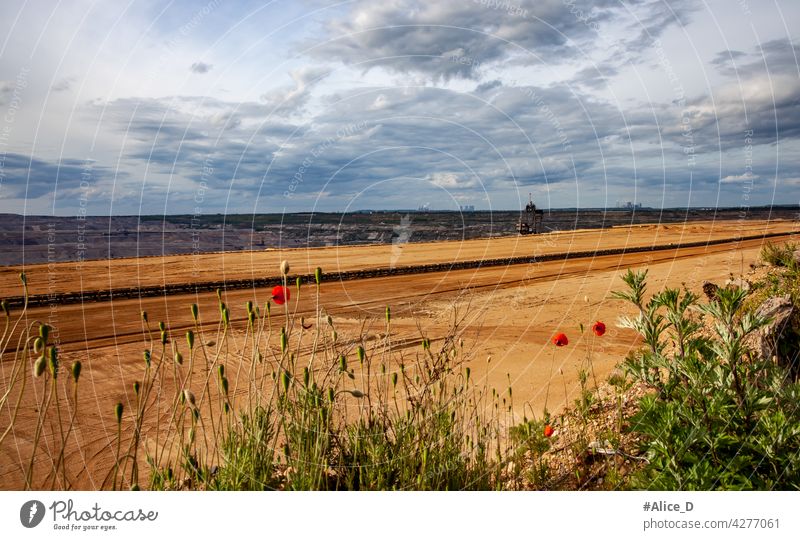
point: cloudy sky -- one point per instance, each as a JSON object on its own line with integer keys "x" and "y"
{"x": 224, "y": 106}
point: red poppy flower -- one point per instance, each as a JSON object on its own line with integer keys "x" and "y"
{"x": 560, "y": 339}
{"x": 599, "y": 328}
{"x": 280, "y": 294}
{"x": 548, "y": 430}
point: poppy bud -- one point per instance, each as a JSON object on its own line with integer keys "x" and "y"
{"x": 361, "y": 354}
{"x": 144, "y": 316}
{"x": 53, "y": 362}
{"x": 136, "y": 387}
{"x": 195, "y": 312}
{"x": 23, "y": 278}
{"x": 164, "y": 338}
{"x": 356, "y": 393}
{"x": 39, "y": 365}
{"x": 284, "y": 268}
{"x": 118, "y": 412}
{"x": 298, "y": 282}
{"x": 394, "y": 379}
{"x": 162, "y": 326}
{"x": 147, "y": 357}
{"x": 190, "y": 339}
{"x": 178, "y": 358}
{"x": 38, "y": 345}
{"x": 189, "y": 398}
{"x": 249, "y": 306}
{"x": 44, "y": 332}
{"x": 285, "y": 379}
{"x": 76, "y": 370}
{"x": 225, "y": 386}
{"x": 388, "y": 314}
{"x": 226, "y": 316}
{"x": 318, "y": 275}
{"x": 342, "y": 363}
{"x": 221, "y": 371}
{"x": 306, "y": 377}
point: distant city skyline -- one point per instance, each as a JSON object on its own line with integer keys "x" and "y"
{"x": 298, "y": 106}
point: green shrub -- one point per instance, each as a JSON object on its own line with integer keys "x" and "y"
{"x": 719, "y": 418}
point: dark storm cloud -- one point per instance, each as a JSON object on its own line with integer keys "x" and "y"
{"x": 762, "y": 97}
{"x": 26, "y": 176}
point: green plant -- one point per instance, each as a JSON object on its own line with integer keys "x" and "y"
{"x": 720, "y": 418}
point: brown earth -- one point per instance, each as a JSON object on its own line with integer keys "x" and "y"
{"x": 513, "y": 313}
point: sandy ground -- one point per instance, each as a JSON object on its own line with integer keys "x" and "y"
{"x": 513, "y": 313}
{"x": 116, "y": 273}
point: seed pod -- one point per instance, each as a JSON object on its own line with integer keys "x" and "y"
{"x": 178, "y": 358}
{"x": 356, "y": 393}
{"x": 53, "y": 362}
{"x": 39, "y": 365}
{"x": 284, "y": 268}
{"x": 318, "y": 275}
{"x": 190, "y": 339}
{"x": 118, "y": 412}
{"x": 189, "y": 398}
{"x": 38, "y": 345}
{"x": 44, "y": 332}
{"x": 76, "y": 370}
{"x": 361, "y": 354}
{"x": 162, "y": 326}
{"x": 195, "y": 312}
{"x": 147, "y": 357}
